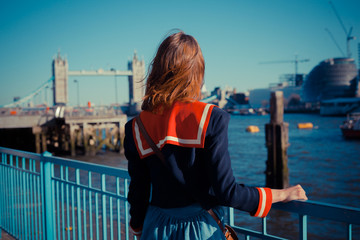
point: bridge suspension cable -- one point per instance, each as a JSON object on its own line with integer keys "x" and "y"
{"x": 30, "y": 96}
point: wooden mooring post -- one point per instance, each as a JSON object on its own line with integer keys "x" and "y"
{"x": 277, "y": 136}
{"x": 40, "y": 139}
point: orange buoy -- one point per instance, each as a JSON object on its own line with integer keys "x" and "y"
{"x": 252, "y": 129}
{"x": 305, "y": 125}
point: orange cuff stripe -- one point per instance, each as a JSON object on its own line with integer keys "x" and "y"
{"x": 136, "y": 231}
{"x": 265, "y": 202}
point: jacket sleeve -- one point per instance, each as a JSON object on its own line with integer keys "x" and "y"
{"x": 139, "y": 189}
{"x": 256, "y": 201}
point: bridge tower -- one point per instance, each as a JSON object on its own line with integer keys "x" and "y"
{"x": 136, "y": 84}
{"x": 60, "y": 80}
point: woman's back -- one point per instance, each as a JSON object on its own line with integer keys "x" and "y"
{"x": 170, "y": 199}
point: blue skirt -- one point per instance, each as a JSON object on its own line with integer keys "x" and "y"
{"x": 192, "y": 222}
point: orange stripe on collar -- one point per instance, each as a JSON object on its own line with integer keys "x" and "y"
{"x": 184, "y": 124}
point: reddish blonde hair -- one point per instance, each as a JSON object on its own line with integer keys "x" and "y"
{"x": 175, "y": 74}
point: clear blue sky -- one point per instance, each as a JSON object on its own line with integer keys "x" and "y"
{"x": 234, "y": 36}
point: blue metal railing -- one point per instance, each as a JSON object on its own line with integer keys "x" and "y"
{"x": 348, "y": 216}
{"x": 46, "y": 197}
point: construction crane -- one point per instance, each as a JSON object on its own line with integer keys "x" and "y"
{"x": 347, "y": 33}
{"x": 295, "y": 62}
{"x": 336, "y": 43}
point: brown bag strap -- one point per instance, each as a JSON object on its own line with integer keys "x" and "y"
{"x": 217, "y": 220}
{"x": 162, "y": 158}
{"x": 149, "y": 140}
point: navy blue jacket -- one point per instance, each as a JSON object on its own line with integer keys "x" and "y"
{"x": 191, "y": 175}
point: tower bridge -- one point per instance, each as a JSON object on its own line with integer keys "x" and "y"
{"x": 63, "y": 128}
{"x": 135, "y": 74}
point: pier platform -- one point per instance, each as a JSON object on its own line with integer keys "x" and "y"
{"x": 74, "y": 130}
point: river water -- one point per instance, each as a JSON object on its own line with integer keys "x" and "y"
{"x": 320, "y": 159}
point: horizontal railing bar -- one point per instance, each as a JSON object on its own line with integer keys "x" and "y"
{"x": 257, "y": 234}
{"x": 20, "y": 169}
{"x": 19, "y": 153}
{"x": 110, "y": 194}
{"x": 108, "y": 170}
{"x": 96, "y": 168}
{"x": 322, "y": 210}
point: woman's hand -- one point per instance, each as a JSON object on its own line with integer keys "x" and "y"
{"x": 288, "y": 194}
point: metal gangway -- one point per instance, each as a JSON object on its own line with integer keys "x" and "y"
{"x": 47, "y": 197}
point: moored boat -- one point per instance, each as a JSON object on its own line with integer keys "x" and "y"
{"x": 340, "y": 106}
{"x": 351, "y": 127}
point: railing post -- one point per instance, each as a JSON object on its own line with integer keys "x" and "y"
{"x": 303, "y": 227}
{"x": 77, "y": 177}
{"x": 103, "y": 204}
{"x": 349, "y": 232}
{"x": 264, "y": 226}
{"x": 230, "y": 216}
{"x": 47, "y": 197}
{"x": 127, "y": 221}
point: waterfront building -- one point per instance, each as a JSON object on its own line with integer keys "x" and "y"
{"x": 289, "y": 84}
{"x": 330, "y": 79}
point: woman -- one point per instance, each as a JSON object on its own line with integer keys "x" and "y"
{"x": 170, "y": 200}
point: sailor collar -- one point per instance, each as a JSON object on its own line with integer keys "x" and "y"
{"x": 183, "y": 124}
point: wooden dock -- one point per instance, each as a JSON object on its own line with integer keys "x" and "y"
{"x": 68, "y": 130}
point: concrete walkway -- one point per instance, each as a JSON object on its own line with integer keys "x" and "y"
{"x": 6, "y": 236}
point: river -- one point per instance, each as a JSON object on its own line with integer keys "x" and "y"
{"x": 320, "y": 159}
